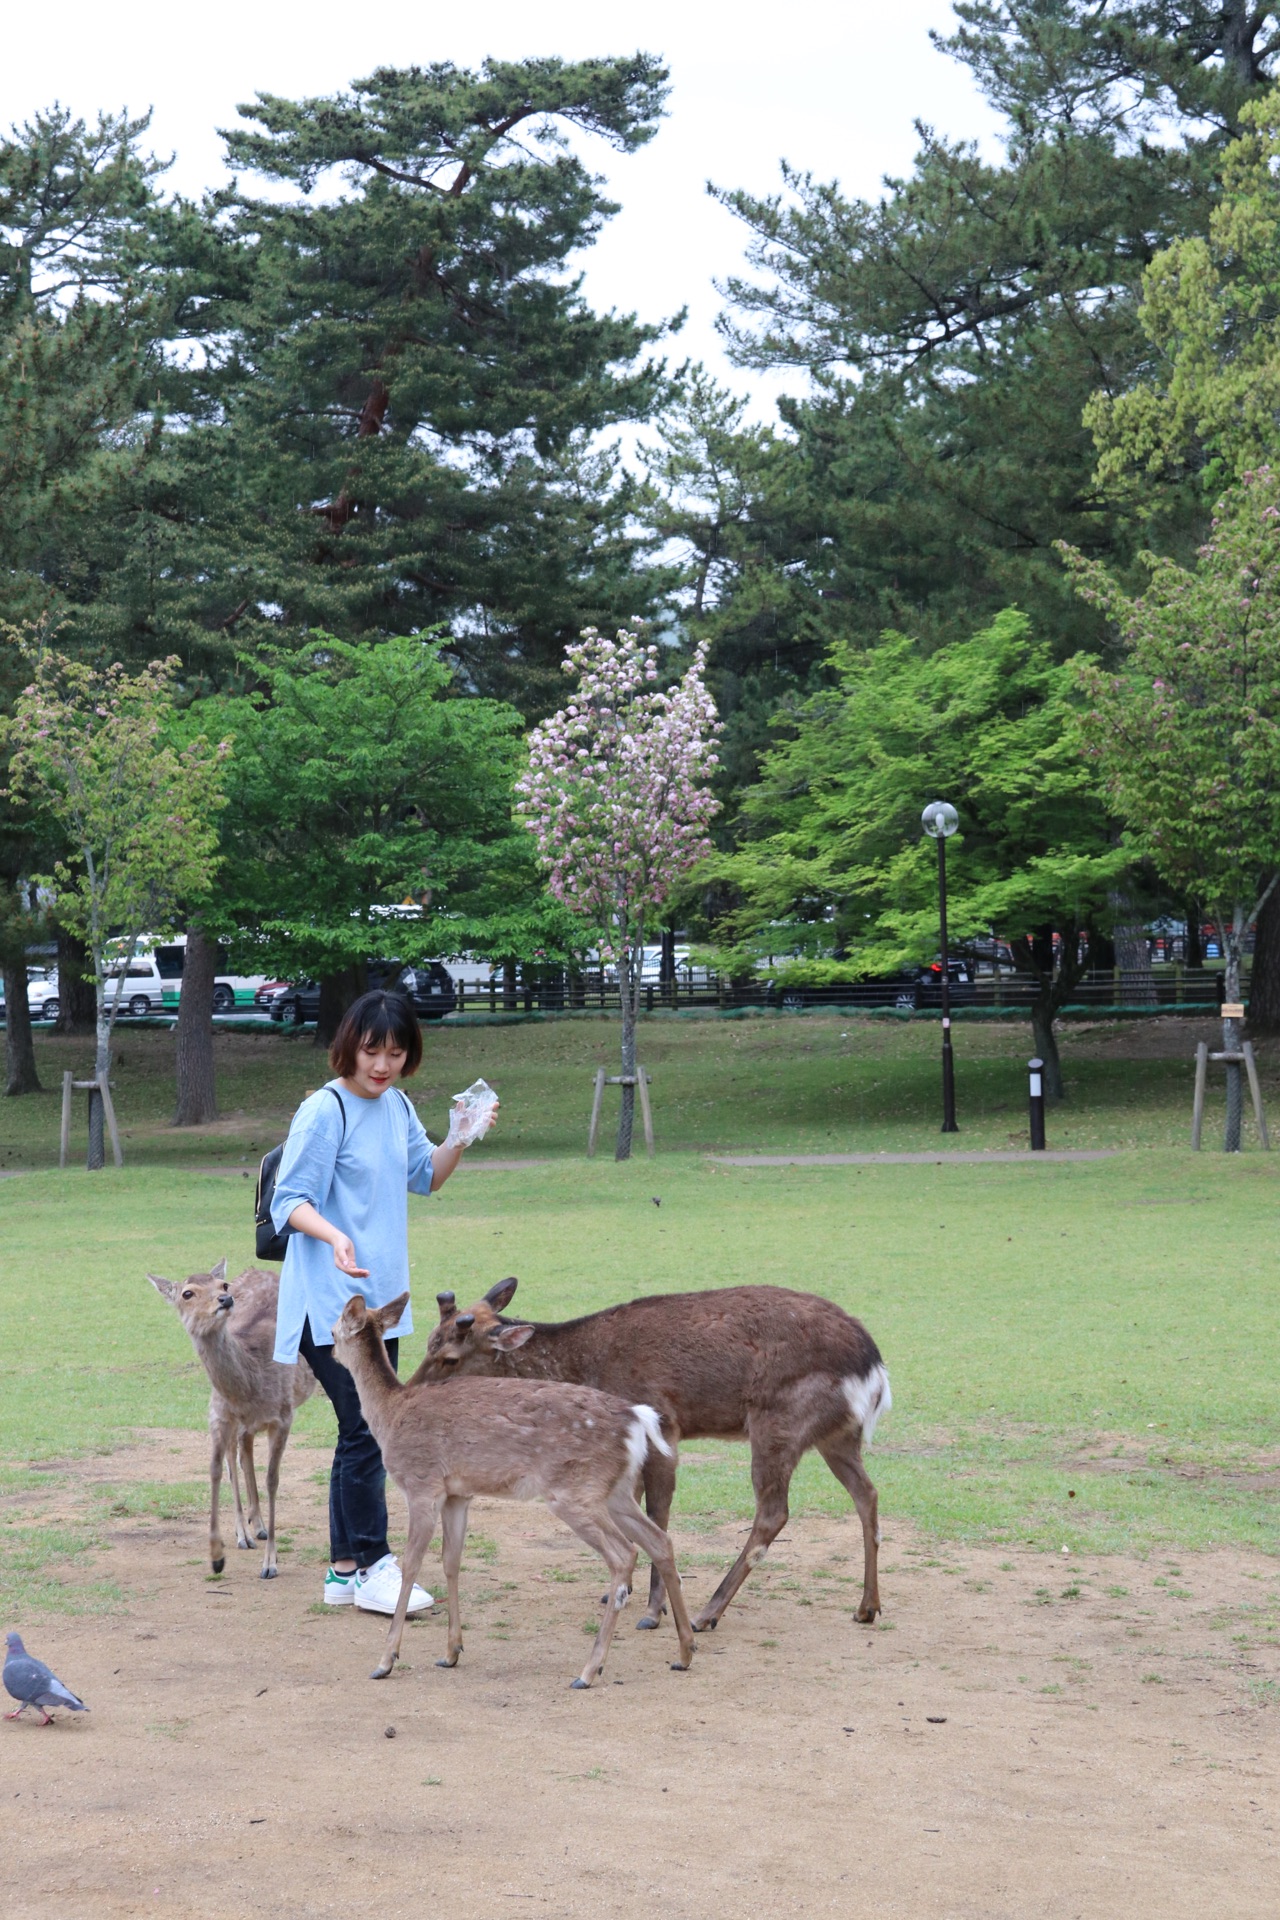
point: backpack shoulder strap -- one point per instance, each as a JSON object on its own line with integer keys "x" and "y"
{"x": 341, "y": 1109}
{"x": 407, "y": 1104}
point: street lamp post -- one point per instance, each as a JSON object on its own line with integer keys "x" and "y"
{"x": 940, "y": 821}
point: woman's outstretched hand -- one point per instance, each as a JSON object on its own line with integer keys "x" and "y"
{"x": 344, "y": 1258}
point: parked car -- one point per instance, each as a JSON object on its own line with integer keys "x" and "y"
{"x": 429, "y": 987}
{"x": 143, "y": 986}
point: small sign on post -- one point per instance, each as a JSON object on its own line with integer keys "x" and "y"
{"x": 1035, "y": 1093}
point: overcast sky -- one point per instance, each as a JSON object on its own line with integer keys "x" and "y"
{"x": 833, "y": 88}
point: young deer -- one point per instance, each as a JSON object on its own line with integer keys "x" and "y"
{"x": 234, "y": 1335}
{"x": 579, "y": 1450}
{"x": 785, "y": 1371}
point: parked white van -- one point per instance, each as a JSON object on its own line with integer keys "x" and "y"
{"x": 143, "y": 986}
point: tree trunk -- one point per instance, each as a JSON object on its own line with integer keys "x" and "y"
{"x": 1133, "y": 956}
{"x": 1264, "y": 981}
{"x": 197, "y": 1086}
{"x": 75, "y": 987}
{"x": 1232, "y": 945}
{"x": 508, "y": 986}
{"x": 630, "y": 962}
{"x": 338, "y": 991}
{"x": 1194, "y": 953}
{"x": 96, "y": 1158}
{"x": 20, "y": 1051}
{"x": 1045, "y": 1041}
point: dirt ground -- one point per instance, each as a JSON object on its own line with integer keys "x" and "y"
{"x": 1023, "y": 1735}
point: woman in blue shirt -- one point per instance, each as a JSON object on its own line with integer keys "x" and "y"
{"x": 355, "y": 1151}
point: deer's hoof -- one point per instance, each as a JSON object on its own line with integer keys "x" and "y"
{"x": 262, "y": 1533}
{"x": 866, "y": 1616}
{"x": 579, "y": 1685}
{"x": 218, "y": 1565}
{"x": 704, "y": 1626}
{"x": 381, "y": 1672}
{"x": 681, "y": 1666}
{"x": 648, "y": 1621}
{"x": 450, "y": 1660}
{"x": 268, "y": 1573}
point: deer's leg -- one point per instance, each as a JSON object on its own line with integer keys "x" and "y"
{"x": 844, "y": 1457}
{"x": 643, "y": 1531}
{"x": 217, "y": 1455}
{"x": 233, "y": 1445}
{"x": 277, "y": 1435}
{"x": 453, "y": 1533}
{"x": 600, "y": 1531}
{"x": 773, "y": 1461}
{"x": 250, "y": 1473}
{"x": 659, "y": 1492}
{"x": 422, "y": 1524}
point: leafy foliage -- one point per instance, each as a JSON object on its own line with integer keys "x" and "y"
{"x": 1186, "y": 736}
{"x": 1210, "y": 407}
{"x": 389, "y": 385}
{"x": 361, "y": 785}
{"x": 89, "y": 747}
{"x": 834, "y": 825}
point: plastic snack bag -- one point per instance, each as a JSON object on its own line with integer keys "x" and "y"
{"x": 470, "y": 1114}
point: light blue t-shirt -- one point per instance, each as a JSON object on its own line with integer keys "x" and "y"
{"x": 359, "y": 1180}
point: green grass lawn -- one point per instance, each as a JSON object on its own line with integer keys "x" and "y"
{"x": 812, "y": 1083}
{"x": 1081, "y": 1354}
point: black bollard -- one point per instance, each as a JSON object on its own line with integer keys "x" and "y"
{"x": 1035, "y": 1069}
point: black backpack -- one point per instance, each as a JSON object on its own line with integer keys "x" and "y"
{"x": 268, "y": 1244}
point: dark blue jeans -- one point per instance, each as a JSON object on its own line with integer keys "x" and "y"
{"x": 357, "y": 1478}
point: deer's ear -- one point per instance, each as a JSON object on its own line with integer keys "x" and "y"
{"x": 389, "y": 1315}
{"x": 353, "y": 1315}
{"x": 507, "y": 1339}
{"x": 499, "y": 1296}
{"x": 167, "y": 1287}
{"x": 220, "y": 1271}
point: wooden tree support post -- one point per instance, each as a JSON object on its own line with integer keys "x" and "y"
{"x": 640, "y": 1080}
{"x": 1197, "y": 1104}
{"x": 103, "y": 1087}
{"x": 1244, "y": 1058}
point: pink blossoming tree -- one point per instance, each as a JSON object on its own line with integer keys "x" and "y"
{"x": 617, "y": 797}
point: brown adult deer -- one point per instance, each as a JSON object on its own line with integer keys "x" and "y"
{"x": 233, "y": 1331}
{"x": 579, "y": 1450}
{"x": 785, "y": 1371}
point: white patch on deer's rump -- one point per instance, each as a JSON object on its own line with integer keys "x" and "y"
{"x": 868, "y": 1398}
{"x": 645, "y": 1431}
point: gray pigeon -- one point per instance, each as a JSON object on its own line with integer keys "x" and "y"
{"x": 32, "y": 1684}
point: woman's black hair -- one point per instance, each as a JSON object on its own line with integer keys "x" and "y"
{"x": 373, "y": 1019}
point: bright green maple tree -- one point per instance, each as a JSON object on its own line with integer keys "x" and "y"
{"x": 833, "y": 827}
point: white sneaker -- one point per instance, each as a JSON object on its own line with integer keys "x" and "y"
{"x": 378, "y": 1588}
{"x": 339, "y": 1588}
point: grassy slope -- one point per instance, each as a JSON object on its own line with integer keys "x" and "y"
{"x": 808, "y": 1083}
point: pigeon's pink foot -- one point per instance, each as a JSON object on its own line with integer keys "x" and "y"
{"x": 16, "y": 1712}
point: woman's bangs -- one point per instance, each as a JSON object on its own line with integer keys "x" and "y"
{"x": 392, "y": 1021}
